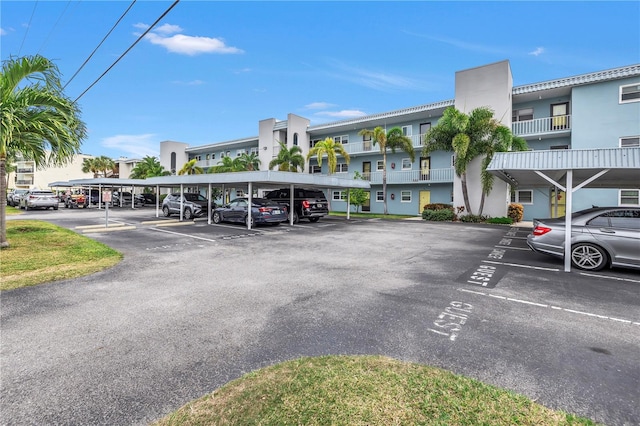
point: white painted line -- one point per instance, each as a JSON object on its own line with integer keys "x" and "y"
{"x": 609, "y": 277}
{"x": 517, "y": 265}
{"x": 557, "y": 308}
{"x": 513, "y": 248}
{"x": 184, "y": 235}
{"x": 439, "y": 332}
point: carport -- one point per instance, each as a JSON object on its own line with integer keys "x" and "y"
{"x": 259, "y": 179}
{"x": 569, "y": 170}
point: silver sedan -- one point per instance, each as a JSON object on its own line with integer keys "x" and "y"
{"x": 600, "y": 237}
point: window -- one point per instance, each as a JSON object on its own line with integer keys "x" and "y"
{"x": 366, "y": 137}
{"x": 313, "y": 142}
{"x": 240, "y": 152}
{"x": 315, "y": 169}
{"x": 424, "y": 128}
{"x": 173, "y": 163}
{"x": 629, "y": 141}
{"x": 453, "y": 160}
{"x": 630, "y": 93}
{"x": 213, "y": 156}
{"x": 379, "y": 196}
{"x": 254, "y": 150}
{"x": 379, "y": 165}
{"x": 295, "y": 139}
{"x": 342, "y": 168}
{"x": 222, "y": 154}
{"x": 208, "y": 156}
{"x": 559, "y": 147}
{"x": 239, "y": 193}
{"x": 406, "y": 164}
{"x": 339, "y": 195}
{"x": 523, "y": 114}
{"x": 629, "y": 197}
{"x": 406, "y": 130}
{"x": 228, "y": 154}
{"x": 405, "y": 196}
{"x": 343, "y": 139}
{"x": 522, "y": 196}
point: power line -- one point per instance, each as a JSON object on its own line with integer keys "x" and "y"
{"x": 28, "y": 26}
{"x": 127, "y": 51}
{"x": 46, "y": 40}
{"x": 100, "y": 44}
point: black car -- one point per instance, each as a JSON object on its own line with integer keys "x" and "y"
{"x": 308, "y": 203}
{"x": 263, "y": 211}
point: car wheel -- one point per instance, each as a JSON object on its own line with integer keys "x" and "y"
{"x": 588, "y": 257}
{"x": 188, "y": 214}
{"x": 217, "y": 217}
{"x": 26, "y": 208}
{"x": 314, "y": 219}
{"x": 55, "y": 207}
{"x": 165, "y": 211}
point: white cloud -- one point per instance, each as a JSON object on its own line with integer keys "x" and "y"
{"x": 319, "y": 105}
{"x": 345, "y": 113}
{"x": 141, "y": 26}
{"x": 2, "y": 32}
{"x": 539, "y": 51}
{"x": 185, "y": 44}
{"x": 189, "y": 83}
{"x": 136, "y": 145}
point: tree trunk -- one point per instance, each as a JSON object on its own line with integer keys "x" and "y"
{"x": 465, "y": 193}
{"x": 481, "y": 203}
{"x": 3, "y": 203}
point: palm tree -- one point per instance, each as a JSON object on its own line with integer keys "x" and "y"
{"x": 190, "y": 168}
{"x": 469, "y": 137}
{"x": 393, "y": 139}
{"x": 249, "y": 162}
{"x": 331, "y": 149}
{"x": 227, "y": 165}
{"x": 148, "y": 167}
{"x": 38, "y": 122}
{"x": 90, "y": 165}
{"x": 288, "y": 160}
{"x": 106, "y": 165}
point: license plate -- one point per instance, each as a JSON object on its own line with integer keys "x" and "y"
{"x": 275, "y": 212}
{"x": 320, "y": 205}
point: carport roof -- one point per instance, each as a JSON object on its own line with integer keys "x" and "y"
{"x": 266, "y": 177}
{"x": 618, "y": 167}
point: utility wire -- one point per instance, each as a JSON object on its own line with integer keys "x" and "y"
{"x": 100, "y": 44}
{"x": 28, "y": 26}
{"x": 46, "y": 40}
{"x": 127, "y": 51}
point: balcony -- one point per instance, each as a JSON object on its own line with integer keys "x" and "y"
{"x": 25, "y": 170}
{"x": 408, "y": 176}
{"x": 367, "y": 147}
{"x": 556, "y": 126}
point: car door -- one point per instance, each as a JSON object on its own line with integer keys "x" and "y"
{"x": 620, "y": 231}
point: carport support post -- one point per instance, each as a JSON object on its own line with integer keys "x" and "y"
{"x": 250, "y": 206}
{"x": 157, "y": 200}
{"x": 567, "y": 220}
{"x": 348, "y": 203}
{"x": 292, "y": 207}
{"x": 209, "y": 205}
{"x": 181, "y": 203}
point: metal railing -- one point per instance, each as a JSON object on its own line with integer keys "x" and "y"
{"x": 408, "y": 176}
{"x": 540, "y": 126}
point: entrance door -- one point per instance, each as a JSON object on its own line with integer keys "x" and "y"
{"x": 366, "y": 170}
{"x": 425, "y": 167}
{"x": 366, "y": 206}
{"x": 560, "y": 116}
{"x": 425, "y": 198}
{"x": 557, "y": 199}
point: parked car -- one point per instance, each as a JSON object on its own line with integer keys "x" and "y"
{"x": 39, "y": 199}
{"x": 147, "y": 198}
{"x": 600, "y": 237}
{"x": 308, "y": 203}
{"x": 13, "y": 197}
{"x": 194, "y": 205}
{"x": 124, "y": 198}
{"x": 76, "y": 200}
{"x": 263, "y": 211}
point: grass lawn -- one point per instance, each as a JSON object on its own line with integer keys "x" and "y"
{"x": 40, "y": 252}
{"x": 362, "y": 390}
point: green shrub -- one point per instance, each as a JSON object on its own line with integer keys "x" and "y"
{"x": 500, "y": 220}
{"x": 443, "y": 215}
{"x": 473, "y": 218}
{"x": 516, "y": 212}
{"x": 437, "y": 206}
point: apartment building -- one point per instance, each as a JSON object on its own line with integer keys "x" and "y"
{"x": 595, "y": 110}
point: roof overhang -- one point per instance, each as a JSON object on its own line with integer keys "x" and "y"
{"x": 592, "y": 168}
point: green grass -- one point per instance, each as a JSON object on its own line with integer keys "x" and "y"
{"x": 362, "y": 390}
{"x": 372, "y": 215}
{"x": 40, "y": 252}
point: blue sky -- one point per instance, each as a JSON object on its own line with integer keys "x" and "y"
{"x": 210, "y": 70}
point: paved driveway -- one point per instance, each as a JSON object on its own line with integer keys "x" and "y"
{"x": 194, "y": 306}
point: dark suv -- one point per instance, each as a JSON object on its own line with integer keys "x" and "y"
{"x": 308, "y": 203}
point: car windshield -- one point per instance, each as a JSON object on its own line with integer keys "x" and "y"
{"x": 194, "y": 197}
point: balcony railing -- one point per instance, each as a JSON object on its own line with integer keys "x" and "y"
{"x": 541, "y": 126}
{"x": 25, "y": 170}
{"x": 366, "y": 147}
{"x": 408, "y": 176}
{"x": 24, "y": 182}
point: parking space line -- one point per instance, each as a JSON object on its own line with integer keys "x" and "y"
{"x": 609, "y": 277}
{"x": 183, "y": 235}
{"x": 514, "y": 248}
{"x": 518, "y": 265}
{"x": 542, "y": 305}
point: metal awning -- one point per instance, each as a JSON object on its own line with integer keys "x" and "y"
{"x": 569, "y": 170}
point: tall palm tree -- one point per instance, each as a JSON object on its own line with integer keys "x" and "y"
{"x": 148, "y": 167}
{"x": 106, "y": 165}
{"x": 469, "y": 137}
{"x": 331, "y": 149}
{"x": 288, "y": 160}
{"x": 190, "y": 168}
{"x": 393, "y": 139}
{"x": 249, "y": 162}
{"x": 38, "y": 122}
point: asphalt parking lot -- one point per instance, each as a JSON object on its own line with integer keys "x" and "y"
{"x": 193, "y": 306}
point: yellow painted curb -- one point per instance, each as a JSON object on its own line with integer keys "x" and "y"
{"x": 164, "y": 225}
{"x": 109, "y": 229}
